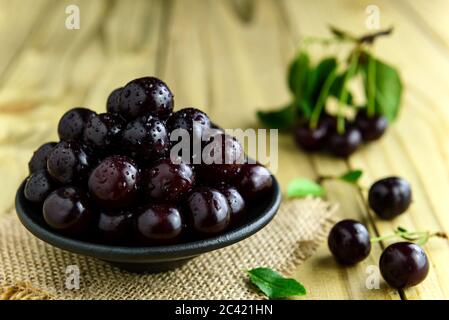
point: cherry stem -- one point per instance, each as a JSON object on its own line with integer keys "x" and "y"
{"x": 352, "y": 68}
{"x": 322, "y": 99}
{"x": 371, "y": 79}
{"x": 368, "y": 38}
{"x": 420, "y": 237}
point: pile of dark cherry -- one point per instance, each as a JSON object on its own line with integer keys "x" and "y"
{"x": 402, "y": 264}
{"x": 110, "y": 179}
{"x": 364, "y": 128}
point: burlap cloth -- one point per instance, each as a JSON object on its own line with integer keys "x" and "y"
{"x": 31, "y": 269}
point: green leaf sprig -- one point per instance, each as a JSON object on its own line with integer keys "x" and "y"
{"x": 302, "y": 187}
{"x": 311, "y": 85}
{"x": 274, "y": 285}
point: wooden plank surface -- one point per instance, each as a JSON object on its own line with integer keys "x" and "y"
{"x": 229, "y": 58}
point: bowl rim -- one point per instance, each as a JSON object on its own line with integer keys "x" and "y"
{"x": 127, "y": 253}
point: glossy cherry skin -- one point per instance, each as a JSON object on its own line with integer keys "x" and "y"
{"x": 209, "y": 211}
{"x": 222, "y": 159}
{"x": 69, "y": 162}
{"x": 146, "y": 96}
{"x": 168, "y": 181}
{"x": 311, "y": 139}
{"x": 115, "y": 228}
{"x": 67, "y": 210}
{"x": 190, "y": 119}
{"x": 254, "y": 181}
{"x": 72, "y": 123}
{"x": 403, "y": 265}
{"x": 349, "y": 242}
{"x": 236, "y": 204}
{"x": 371, "y": 128}
{"x": 39, "y": 159}
{"x": 146, "y": 139}
{"x": 113, "y": 102}
{"x": 192, "y": 122}
{"x": 158, "y": 224}
{"x": 38, "y": 186}
{"x": 114, "y": 182}
{"x": 389, "y": 197}
{"x": 343, "y": 145}
{"x": 103, "y": 131}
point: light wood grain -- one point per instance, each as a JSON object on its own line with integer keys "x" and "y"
{"x": 229, "y": 58}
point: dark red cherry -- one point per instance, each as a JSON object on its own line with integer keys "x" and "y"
{"x": 389, "y": 197}
{"x": 114, "y": 182}
{"x": 113, "y": 102}
{"x": 102, "y": 131}
{"x": 159, "y": 224}
{"x": 236, "y": 203}
{"x": 146, "y": 96}
{"x": 115, "y": 228}
{"x": 254, "y": 181}
{"x": 371, "y": 127}
{"x": 222, "y": 159}
{"x": 146, "y": 139}
{"x": 73, "y": 122}
{"x": 343, "y": 145}
{"x": 38, "y": 186}
{"x": 209, "y": 211}
{"x": 190, "y": 119}
{"x": 349, "y": 242}
{"x": 69, "y": 162}
{"x": 189, "y": 125}
{"x": 67, "y": 210}
{"x": 39, "y": 159}
{"x": 311, "y": 139}
{"x": 168, "y": 181}
{"x": 403, "y": 265}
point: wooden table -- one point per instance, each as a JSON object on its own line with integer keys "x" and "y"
{"x": 229, "y": 58}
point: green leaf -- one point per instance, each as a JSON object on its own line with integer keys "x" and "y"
{"x": 299, "y": 188}
{"x": 318, "y": 76}
{"x": 388, "y": 89}
{"x": 351, "y": 176}
{"x": 298, "y": 74}
{"x": 274, "y": 285}
{"x": 281, "y": 119}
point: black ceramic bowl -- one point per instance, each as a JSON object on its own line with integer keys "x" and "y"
{"x": 149, "y": 259}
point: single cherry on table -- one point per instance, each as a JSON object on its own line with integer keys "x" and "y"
{"x": 390, "y": 197}
{"x": 349, "y": 242}
{"x": 404, "y": 264}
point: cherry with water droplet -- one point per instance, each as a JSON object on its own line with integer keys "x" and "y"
{"x": 38, "y": 185}
{"x": 114, "y": 182}
{"x": 208, "y": 211}
{"x": 146, "y": 139}
{"x": 67, "y": 210}
{"x": 168, "y": 181}
{"x": 158, "y": 224}
{"x": 71, "y": 125}
{"x": 146, "y": 96}
{"x": 39, "y": 159}
{"x": 69, "y": 162}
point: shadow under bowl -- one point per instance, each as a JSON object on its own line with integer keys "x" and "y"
{"x": 156, "y": 258}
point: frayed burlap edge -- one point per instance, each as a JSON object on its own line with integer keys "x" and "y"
{"x": 23, "y": 291}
